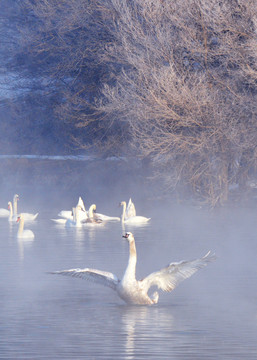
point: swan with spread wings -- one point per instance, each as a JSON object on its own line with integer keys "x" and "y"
{"x": 134, "y": 291}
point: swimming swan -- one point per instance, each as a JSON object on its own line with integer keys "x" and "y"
{"x": 91, "y": 220}
{"x": 75, "y": 221}
{"x": 11, "y": 217}
{"x": 67, "y": 214}
{"x": 101, "y": 217}
{"x": 133, "y": 291}
{"x": 133, "y": 219}
{"x": 26, "y": 216}
{"x": 23, "y": 234}
{"x": 11, "y": 213}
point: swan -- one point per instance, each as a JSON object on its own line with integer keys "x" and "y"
{"x": 133, "y": 219}
{"x": 75, "y": 221}
{"x": 23, "y": 234}
{"x": 11, "y": 213}
{"x": 91, "y": 220}
{"x": 26, "y": 216}
{"x": 134, "y": 291}
{"x": 103, "y": 217}
{"x": 67, "y": 214}
{"x": 15, "y": 204}
{"x": 12, "y": 217}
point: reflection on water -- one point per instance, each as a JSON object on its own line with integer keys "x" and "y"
{"x": 145, "y": 321}
{"x": 212, "y": 315}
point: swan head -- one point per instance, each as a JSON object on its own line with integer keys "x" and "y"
{"x": 16, "y": 197}
{"x": 122, "y": 203}
{"x": 19, "y": 218}
{"x": 129, "y": 236}
{"x": 9, "y": 205}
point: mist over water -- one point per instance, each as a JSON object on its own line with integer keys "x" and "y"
{"x": 212, "y": 315}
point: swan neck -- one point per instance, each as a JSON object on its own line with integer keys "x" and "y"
{"x": 21, "y": 226}
{"x": 123, "y": 212}
{"x": 90, "y": 211}
{"x": 130, "y": 273}
{"x": 74, "y": 213}
{"x": 15, "y": 205}
{"x": 10, "y": 211}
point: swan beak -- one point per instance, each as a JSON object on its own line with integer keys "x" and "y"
{"x": 125, "y": 236}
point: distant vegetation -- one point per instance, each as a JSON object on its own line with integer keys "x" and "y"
{"x": 171, "y": 82}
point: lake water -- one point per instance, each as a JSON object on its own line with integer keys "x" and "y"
{"x": 212, "y": 315}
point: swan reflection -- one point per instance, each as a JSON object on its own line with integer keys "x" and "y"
{"x": 143, "y": 320}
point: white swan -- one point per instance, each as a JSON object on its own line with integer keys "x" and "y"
{"x": 103, "y": 217}
{"x": 12, "y": 209}
{"x": 133, "y": 291}
{"x": 91, "y": 220}
{"x": 23, "y": 234}
{"x": 26, "y": 216}
{"x": 4, "y": 213}
{"x": 15, "y": 204}
{"x": 67, "y": 214}
{"x": 133, "y": 219}
{"x": 75, "y": 221}
{"x": 12, "y": 217}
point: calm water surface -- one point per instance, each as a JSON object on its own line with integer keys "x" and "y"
{"x": 212, "y": 315}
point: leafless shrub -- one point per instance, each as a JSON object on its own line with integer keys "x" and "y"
{"x": 173, "y": 80}
{"x": 188, "y": 89}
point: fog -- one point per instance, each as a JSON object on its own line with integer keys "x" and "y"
{"x": 211, "y": 315}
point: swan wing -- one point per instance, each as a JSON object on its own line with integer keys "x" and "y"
{"x": 29, "y": 217}
{"x": 101, "y": 277}
{"x": 131, "y": 210}
{"x": 81, "y": 204}
{"x": 169, "y": 277}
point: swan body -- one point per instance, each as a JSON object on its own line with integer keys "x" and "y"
{"x": 134, "y": 291}
{"x": 103, "y": 217}
{"x": 132, "y": 219}
{"x": 29, "y": 217}
{"x": 23, "y": 234}
{"x": 4, "y": 213}
{"x": 60, "y": 221}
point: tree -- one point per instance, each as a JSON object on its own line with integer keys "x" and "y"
{"x": 188, "y": 89}
{"x": 174, "y": 81}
